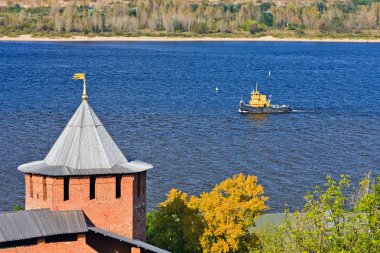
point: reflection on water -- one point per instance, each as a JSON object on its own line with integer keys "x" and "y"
{"x": 258, "y": 118}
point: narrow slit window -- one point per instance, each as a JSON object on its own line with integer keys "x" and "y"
{"x": 44, "y": 190}
{"x": 66, "y": 190}
{"x": 138, "y": 184}
{"x": 92, "y": 187}
{"x": 31, "y": 186}
{"x": 118, "y": 186}
{"x": 144, "y": 188}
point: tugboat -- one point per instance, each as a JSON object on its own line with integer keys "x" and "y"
{"x": 259, "y": 104}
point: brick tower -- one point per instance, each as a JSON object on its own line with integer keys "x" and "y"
{"x": 85, "y": 170}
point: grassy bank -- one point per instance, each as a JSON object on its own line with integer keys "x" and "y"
{"x": 275, "y": 34}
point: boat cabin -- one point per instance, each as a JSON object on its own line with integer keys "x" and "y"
{"x": 258, "y": 100}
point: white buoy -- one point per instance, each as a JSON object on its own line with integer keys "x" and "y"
{"x": 216, "y": 89}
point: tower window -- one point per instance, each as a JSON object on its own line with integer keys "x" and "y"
{"x": 44, "y": 190}
{"x": 66, "y": 190}
{"x": 138, "y": 183}
{"x": 118, "y": 186}
{"x": 92, "y": 187}
{"x": 31, "y": 186}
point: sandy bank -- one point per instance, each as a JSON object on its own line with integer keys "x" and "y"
{"x": 174, "y": 39}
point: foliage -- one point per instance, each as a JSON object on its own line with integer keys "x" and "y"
{"x": 291, "y": 27}
{"x": 321, "y": 6}
{"x": 264, "y": 7}
{"x": 361, "y": 2}
{"x": 247, "y": 24}
{"x": 254, "y": 28}
{"x": 18, "y": 208}
{"x": 229, "y": 211}
{"x": 332, "y": 220}
{"x": 367, "y": 209}
{"x": 201, "y": 28}
{"x": 218, "y": 221}
{"x": 187, "y": 18}
{"x": 175, "y": 226}
{"x": 15, "y": 8}
{"x": 266, "y": 18}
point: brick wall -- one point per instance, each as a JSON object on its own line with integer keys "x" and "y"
{"x": 124, "y": 216}
{"x": 102, "y": 244}
{"x": 78, "y": 246}
{"x": 34, "y": 191}
{"x": 139, "y": 207}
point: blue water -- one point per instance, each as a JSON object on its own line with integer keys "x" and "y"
{"x": 158, "y": 101}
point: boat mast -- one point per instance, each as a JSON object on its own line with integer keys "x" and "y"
{"x": 270, "y": 86}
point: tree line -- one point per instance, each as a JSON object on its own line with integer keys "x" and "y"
{"x": 183, "y": 17}
{"x": 336, "y": 217}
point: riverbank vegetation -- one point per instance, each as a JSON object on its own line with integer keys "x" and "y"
{"x": 320, "y": 19}
{"x": 337, "y": 217}
{"x": 217, "y": 221}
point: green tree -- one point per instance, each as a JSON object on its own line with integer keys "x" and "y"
{"x": 367, "y": 209}
{"x": 332, "y": 220}
{"x": 266, "y": 18}
{"x": 247, "y": 24}
{"x": 18, "y": 208}
{"x": 175, "y": 226}
{"x": 217, "y": 221}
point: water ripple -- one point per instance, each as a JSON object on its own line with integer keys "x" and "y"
{"x": 158, "y": 101}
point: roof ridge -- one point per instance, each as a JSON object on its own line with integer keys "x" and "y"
{"x": 78, "y": 161}
{"x": 98, "y": 135}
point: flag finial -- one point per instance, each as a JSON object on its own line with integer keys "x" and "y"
{"x": 82, "y": 76}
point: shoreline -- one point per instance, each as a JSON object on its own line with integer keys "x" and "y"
{"x": 29, "y": 38}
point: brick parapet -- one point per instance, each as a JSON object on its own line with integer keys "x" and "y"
{"x": 125, "y": 216}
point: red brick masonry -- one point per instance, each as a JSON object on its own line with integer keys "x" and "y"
{"x": 78, "y": 246}
{"x": 124, "y": 216}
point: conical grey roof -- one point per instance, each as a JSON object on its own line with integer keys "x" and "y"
{"x": 85, "y": 143}
{"x": 84, "y": 148}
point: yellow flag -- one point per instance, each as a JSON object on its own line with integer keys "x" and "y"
{"x": 79, "y": 76}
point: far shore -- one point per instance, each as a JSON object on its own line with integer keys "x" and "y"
{"x": 175, "y": 39}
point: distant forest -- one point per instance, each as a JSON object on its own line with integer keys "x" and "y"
{"x": 175, "y": 17}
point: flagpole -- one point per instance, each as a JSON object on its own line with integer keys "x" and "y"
{"x": 84, "y": 96}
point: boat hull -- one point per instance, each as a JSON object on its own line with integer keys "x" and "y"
{"x": 244, "y": 108}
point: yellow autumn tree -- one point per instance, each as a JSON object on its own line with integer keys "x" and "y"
{"x": 219, "y": 221}
{"x": 229, "y": 212}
